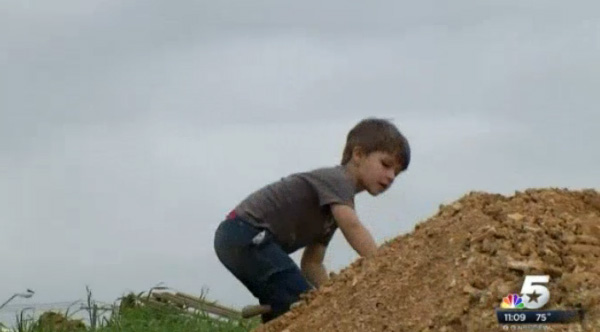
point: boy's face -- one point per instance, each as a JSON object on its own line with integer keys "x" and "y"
{"x": 376, "y": 171}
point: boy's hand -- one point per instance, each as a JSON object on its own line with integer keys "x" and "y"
{"x": 355, "y": 233}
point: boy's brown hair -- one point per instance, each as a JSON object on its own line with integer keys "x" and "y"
{"x": 374, "y": 134}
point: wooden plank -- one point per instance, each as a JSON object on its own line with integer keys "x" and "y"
{"x": 231, "y": 312}
{"x": 173, "y": 300}
{"x": 160, "y": 305}
{"x": 194, "y": 303}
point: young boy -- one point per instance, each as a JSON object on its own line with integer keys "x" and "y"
{"x": 303, "y": 210}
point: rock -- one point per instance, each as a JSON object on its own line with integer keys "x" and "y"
{"x": 525, "y": 248}
{"x": 483, "y": 233}
{"x": 526, "y": 266}
{"x": 515, "y": 216}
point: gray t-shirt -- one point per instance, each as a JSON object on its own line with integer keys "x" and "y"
{"x": 296, "y": 208}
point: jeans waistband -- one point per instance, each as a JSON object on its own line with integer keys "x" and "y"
{"x": 232, "y": 215}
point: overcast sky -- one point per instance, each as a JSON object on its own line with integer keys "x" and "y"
{"x": 128, "y": 129}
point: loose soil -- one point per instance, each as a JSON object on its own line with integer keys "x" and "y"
{"x": 453, "y": 270}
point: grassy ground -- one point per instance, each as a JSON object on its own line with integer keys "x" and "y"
{"x": 144, "y": 319}
{"x": 132, "y": 318}
{"x": 155, "y": 320}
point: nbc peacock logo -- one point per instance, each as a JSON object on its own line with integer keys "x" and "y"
{"x": 534, "y": 294}
{"x": 512, "y": 301}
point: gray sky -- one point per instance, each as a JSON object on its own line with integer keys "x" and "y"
{"x": 129, "y": 129}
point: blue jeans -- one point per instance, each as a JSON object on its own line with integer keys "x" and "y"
{"x": 265, "y": 269}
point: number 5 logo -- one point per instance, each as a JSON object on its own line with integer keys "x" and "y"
{"x": 535, "y": 295}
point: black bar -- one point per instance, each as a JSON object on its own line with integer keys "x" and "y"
{"x": 538, "y": 316}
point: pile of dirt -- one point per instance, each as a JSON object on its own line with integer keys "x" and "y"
{"x": 454, "y": 269}
{"x": 54, "y": 321}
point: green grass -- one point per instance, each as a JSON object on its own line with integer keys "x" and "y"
{"x": 146, "y": 319}
{"x": 155, "y": 320}
{"x": 129, "y": 316}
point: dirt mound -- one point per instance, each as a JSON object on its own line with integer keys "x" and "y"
{"x": 54, "y": 321}
{"x": 454, "y": 269}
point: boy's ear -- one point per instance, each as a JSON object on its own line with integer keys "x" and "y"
{"x": 358, "y": 153}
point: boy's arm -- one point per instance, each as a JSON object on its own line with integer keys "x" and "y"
{"x": 355, "y": 233}
{"x": 312, "y": 264}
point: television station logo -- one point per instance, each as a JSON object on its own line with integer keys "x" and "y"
{"x": 535, "y": 294}
{"x": 525, "y": 308}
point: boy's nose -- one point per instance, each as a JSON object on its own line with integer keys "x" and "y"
{"x": 391, "y": 175}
